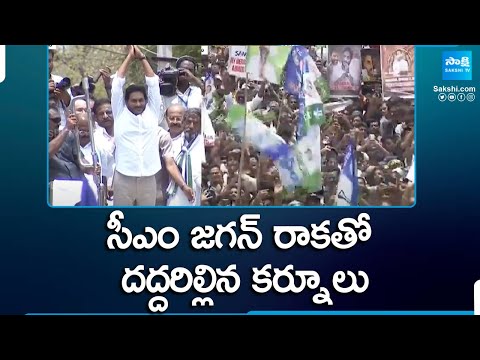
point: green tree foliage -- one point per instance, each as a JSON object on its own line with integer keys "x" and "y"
{"x": 190, "y": 50}
{"x": 70, "y": 58}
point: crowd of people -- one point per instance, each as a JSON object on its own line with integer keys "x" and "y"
{"x": 152, "y": 148}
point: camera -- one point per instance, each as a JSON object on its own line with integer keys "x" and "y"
{"x": 210, "y": 194}
{"x": 168, "y": 81}
{"x": 64, "y": 84}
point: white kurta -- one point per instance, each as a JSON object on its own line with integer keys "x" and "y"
{"x": 197, "y": 153}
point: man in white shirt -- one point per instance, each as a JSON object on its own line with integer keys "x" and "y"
{"x": 169, "y": 148}
{"x": 354, "y": 66}
{"x": 136, "y": 117}
{"x": 334, "y": 69}
{"x": 86, "y": 149}
{"x": 260, "y": 68}
{"x": 104, "y": 138}
{"x": 189, "y": 153}
{"x": 62, "y": 95}
{"x": 188, "y": 92}
{"x": 400, "y": 64}
{"x": 175, "y": 115}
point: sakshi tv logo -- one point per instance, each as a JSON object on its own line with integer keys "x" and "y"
{"x": 457, "y": 65}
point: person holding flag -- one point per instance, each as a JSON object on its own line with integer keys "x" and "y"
{"x": 347, "y": 189}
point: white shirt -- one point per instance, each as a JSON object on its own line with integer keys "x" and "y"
{"x": 136, "y": 140}
{"x": 336, "y": 72}
{"x": 208, "y": 82}
{"x": 355, "y": 70}
{"x": 197, "y": 157}
{"x": 191, "y": 98}
{"x": 399, "y": 129}
{"x": 399, "y": 66}
{"x": 177, "y": 143}
{"x": 106, "y": 143}
{"x": 253, "y": 69}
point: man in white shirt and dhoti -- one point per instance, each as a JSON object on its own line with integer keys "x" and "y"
{"x": 189, "y": 152}
{"x": 87, "y": 152}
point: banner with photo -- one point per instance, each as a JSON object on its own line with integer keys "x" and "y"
{"x": 266, "y": 62}
{"x": 344, "y": 70}
{"x": 371, "y": 65}
{"x": 398, "y": 70}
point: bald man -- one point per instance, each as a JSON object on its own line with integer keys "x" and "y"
{"x": 174, "y": 116}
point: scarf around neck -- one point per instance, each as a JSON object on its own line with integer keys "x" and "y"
{"x": 184, "y": 163}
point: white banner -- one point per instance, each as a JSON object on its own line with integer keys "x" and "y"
{"x": 237, "y": 60}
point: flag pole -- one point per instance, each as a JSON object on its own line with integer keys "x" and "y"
{"x": 244, "y": 142}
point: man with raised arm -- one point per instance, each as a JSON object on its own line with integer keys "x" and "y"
{"x": 136, "y": 117}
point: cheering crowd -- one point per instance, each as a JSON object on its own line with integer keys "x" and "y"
{"x": 155, "y": 147}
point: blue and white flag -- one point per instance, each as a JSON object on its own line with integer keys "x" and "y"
{"x": 347, "y": 189}
{"x": 289, "y": 169}
{"x": 301, "y": 74}
{"x": 88, "y": 198}
{"x": 257, "y": 133}
{"x": 300, "y": 78}
{"x": 294, "y": 70}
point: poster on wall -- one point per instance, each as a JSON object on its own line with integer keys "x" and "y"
{"x": 371, "y": 66}
{"x": 398, "y": 70}
{"x": 344, "y": 70}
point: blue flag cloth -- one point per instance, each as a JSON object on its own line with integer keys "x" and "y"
{"x": 88, "y": 197}
{"x": 300, "y": 77}
{"x": 289, "y": 169}
{"x": 294, "y": 70}
{"x": 347, "y": 190}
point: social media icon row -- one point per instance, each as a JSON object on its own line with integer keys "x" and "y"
{"x": 460, "y": 97}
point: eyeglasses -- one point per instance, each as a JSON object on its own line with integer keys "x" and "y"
{"x": 83, "y": 132}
